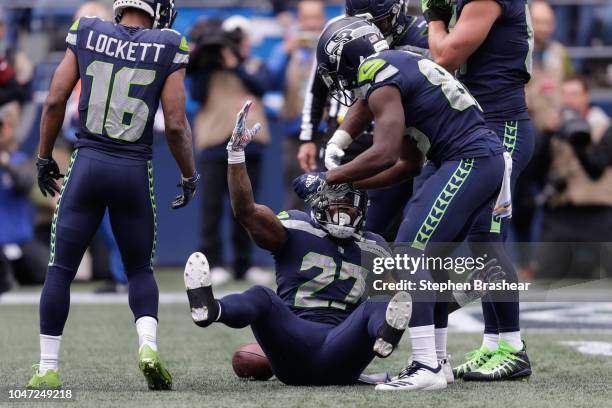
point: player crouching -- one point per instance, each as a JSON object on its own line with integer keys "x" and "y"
{"x": 316, "y": 329}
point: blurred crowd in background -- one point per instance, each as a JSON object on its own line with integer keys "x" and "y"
{"x": 265, "y": 52}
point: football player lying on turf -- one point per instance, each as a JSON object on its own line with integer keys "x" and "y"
{"x": 316, "y": 329}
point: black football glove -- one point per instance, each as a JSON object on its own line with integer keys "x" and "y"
{"x": 437, "y": 10}
{"x": 491, "y": 272}
{"x": 189, "y": 190}
{"x": 48, "y": 172}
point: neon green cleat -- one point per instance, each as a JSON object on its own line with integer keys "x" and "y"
{"x": 158, "y": 378}
{"x": 474, "y": 359}
{"x": 507, "y": 363}
{"x": 49, "y": 380}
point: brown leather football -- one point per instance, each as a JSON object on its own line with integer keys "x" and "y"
{"x": 249, "y": 361}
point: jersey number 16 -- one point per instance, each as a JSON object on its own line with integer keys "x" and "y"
{"x": 109, "y": 101}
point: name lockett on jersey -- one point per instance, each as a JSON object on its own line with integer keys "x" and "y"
{"x": 126, "y": 50}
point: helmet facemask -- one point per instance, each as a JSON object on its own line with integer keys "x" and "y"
{"x": 342, "y": 213}
{"x": 339, "y": 88}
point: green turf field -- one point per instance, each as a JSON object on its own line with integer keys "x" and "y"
{"x": 99, "y": 363}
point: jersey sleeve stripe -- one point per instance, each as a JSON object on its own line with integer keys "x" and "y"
{"x": 374, "y": 248}
{"x": 303, "y": 226}
{"x": 181, "y": 58}
{"x": 386, "y": 73}
{"x": 71, "y": 39}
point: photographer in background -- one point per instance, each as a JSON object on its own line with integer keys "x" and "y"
{"x": 223, "y": 77}
{"x": 20, "y": 256}
{"x": 578, "y": 192}
{"x": 291, "y": 64}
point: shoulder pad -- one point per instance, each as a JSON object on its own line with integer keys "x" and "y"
{"x": 375, "y": 69}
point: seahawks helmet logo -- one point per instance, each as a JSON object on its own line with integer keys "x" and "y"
{"x": 337, "y": 41}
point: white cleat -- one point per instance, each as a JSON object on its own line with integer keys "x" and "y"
{"x": 416, "y": 377}
{"x": 447, "y": 369}
{"x": 397, "y": 318}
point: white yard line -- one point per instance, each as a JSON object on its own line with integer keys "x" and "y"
{"x": 87, "y": 298}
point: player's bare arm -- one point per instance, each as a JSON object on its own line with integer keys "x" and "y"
{"x": 260, "y": 221}
{"x": 451, "y": 50}
{"x": 178, "y": 131}
{"x": 386, "y": 106}
{"x": 357, "y": 120}
{"x": 63, "y": 82}
{"x": 65, "y": 79}
{"x": 407, "y": 167}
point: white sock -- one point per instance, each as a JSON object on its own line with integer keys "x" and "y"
{"x": 513, "y": 338}
{"x": 146, "y": 327}
{"x": 489, "y": 340}
{"x": 49, "y": 353}
{"x": 424, "y": 345}
{"x": 441, "y": 336}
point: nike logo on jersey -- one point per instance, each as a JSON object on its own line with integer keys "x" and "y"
{"x": 125, "y": 50}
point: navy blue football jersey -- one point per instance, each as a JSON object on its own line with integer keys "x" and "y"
{"x": 321, "y": 278}
{"x": 414, "y": 38}
{"x": 442, "y": 117}
{"x": 122, "y": 71}
{"x": 497, "y": 72}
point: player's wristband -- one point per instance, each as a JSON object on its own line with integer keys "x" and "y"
{"x": 341, "y": 138}
{"x": 193, "y": 179}
{"x": 235, "y": 157}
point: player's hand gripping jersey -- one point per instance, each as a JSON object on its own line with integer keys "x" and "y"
{"x": 123, "y": 71}
{"x": 427, "y": 90}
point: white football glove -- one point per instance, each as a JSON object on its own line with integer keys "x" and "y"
{"x": 334, "y": 151}
{"x": 333, "y": 156}
{"x": 241, "y": 136}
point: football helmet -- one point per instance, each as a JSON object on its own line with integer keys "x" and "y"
{"x": 162, "y": 12}
{"x": 341, "y": 211}
{"x": 343, "y": 45}
{"x": 390, "y": 16}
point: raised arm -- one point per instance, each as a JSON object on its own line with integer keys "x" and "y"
{"x": 260, "y": 221}
{"x": 451, "y": 50}
{"x": 386, "y": 106}
{"x": 63, "y": 82}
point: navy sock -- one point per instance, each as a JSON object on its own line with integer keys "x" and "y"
{"x": 143, "y": 293}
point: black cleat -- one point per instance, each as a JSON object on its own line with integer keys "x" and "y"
{"x": 204, "y": 306}
{"x": 397, "y": 318}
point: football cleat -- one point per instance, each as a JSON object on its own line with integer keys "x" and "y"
{"x": 447, "y": 369}
{"x": 397, "y": 318}
{"x": 416, "y": 376}
{"x": 49, "y": 380}
{"x": 507, "y": 363}
{"x": 158, "y": 378}
{"x": 474, "y": 359}
{"x": 198, "y": 282}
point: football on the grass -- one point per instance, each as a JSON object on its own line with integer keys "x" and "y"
{"x": 249, "y": 361}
